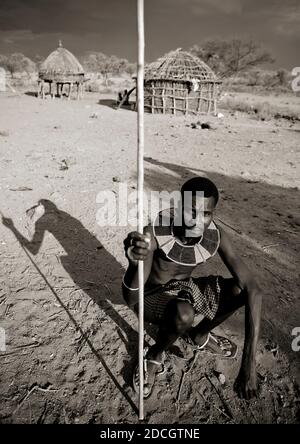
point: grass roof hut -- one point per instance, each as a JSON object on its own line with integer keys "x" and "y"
{"x": 59, "y": 69}
{"x": 180, "y": 83}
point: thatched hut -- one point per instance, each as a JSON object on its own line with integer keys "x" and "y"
{"x": 180, "y": 83}
{"x": 60, "y": 69}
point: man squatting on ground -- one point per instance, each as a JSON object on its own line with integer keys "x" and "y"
{"x": 173, "y": 298}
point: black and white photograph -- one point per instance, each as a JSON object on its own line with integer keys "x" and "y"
{"x": 149, "y": 214}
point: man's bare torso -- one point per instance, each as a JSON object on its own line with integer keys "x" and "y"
{"x": 163, "y": 269}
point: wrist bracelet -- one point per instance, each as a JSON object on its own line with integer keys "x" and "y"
{"x": 126, "y": 286}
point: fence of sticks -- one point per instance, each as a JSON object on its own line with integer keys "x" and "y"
{"x": 180, "y": 83}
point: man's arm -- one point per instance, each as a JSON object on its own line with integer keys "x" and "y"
{"x": 247, "y": 384}
{"x": 137, "y": 247}
{"x": 32, "y": 245}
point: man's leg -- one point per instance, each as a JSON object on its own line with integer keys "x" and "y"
{"x": 179, "y": 316}
{"x": 231, "y": 299}
{"x": 178, "y": 320}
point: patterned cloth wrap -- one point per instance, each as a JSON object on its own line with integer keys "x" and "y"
{"x": 204, "y": 290}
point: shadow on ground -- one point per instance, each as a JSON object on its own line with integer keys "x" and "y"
{"x": 113, "y": 104}
{"x": 31, "y": 93}
{"x": 90, "y": 267}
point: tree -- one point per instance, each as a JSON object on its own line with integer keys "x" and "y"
{"x": 116, "y": 65}
{"x": 282, "y": 77}
{"x": 228, "y": 58}
{"x": 18, "y": 62}
{"x": 38, "y": 60}
{"x": 93, "y": 61}
{"x": 3, "y": 61}
{"x": 105, "y": 65}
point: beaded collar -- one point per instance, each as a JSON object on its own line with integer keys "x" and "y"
{"x": 178, "y": 252}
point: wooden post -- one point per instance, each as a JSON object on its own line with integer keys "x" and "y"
{"x": 215, "y": 100}
{"x": 200, "y": 99}
{"x": 42, "y": 92}
{"x": 152, "y": 97}
{"x": 209, "y": 98}
{"x": 174, "y": 100}
{"x": 186, "y": 102}
{"x": 140, "y": 189}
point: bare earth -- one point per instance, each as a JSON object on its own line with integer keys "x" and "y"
{"x": 71, "y": 343}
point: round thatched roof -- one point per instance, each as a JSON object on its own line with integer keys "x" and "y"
{"x": 179, "y": 65}
{"x": 61, "y": 66}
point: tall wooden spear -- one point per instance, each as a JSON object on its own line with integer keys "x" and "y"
{"x": 140, "y": 190}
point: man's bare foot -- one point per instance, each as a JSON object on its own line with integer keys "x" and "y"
{"x": 152, "y": 367}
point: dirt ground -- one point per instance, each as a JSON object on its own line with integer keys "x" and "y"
{"x": 71, "y": 343}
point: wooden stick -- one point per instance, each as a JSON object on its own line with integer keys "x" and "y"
{"x": 227, "y": 409}
{"x": 184, "y": 373}
{"x": 265, "y": 247}
{"x": 18, "y": 349}
{"x": 140, "y": 189}
{"x": 229, "y": 226}
{"x": 35, "y": 387}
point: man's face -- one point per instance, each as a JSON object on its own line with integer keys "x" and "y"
{"x": 197, "y": 215}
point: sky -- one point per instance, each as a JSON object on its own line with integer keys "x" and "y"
{"x": 34, "y": 27}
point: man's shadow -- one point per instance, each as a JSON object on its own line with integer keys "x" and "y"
{"x": 89, "y": 265}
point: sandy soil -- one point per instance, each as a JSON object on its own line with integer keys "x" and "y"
{"x": 71, "y": 343}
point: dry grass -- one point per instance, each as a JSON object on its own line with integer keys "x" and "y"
{"x": 263, "y": 110}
